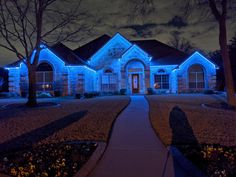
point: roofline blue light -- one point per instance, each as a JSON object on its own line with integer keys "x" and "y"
{"x": 83, "y": 67}
{"x": 201, "y": 56}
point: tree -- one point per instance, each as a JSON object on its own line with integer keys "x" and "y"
{"x": 25, "y": 24}
{"x": 221, "y": 17}
{"x": 219, "y": 9}
{"x": 181, "y": 43}
{"x": 3, "y": 80}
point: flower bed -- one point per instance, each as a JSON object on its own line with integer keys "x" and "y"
{"x": 57, "y": 160}
{"x": 214, "y": 160}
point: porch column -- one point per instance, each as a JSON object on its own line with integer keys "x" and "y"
{"x": 147, "y": 77}
{"x": 123, "y": 79}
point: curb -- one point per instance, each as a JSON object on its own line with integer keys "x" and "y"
{"x": 92, "y": 162}
{"x": 187, "y": 165}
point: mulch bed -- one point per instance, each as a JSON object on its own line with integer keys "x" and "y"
{"x": 213, "y": 160}
{"x": 62, "y": 159}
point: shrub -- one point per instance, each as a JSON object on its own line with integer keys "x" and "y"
{"x": 209, "y": 92}
{"x": 44, "y": 95}
{"x": 150, "y": 91}
{"x": 78, "y": 95}
{"x": 116, "y": 93}
{"x": 4, "y": 94}
{"x": 57, "y": 93}
{"x": 24, "y": 94}
{"x": 91, "y": 94}
{"x": 123, "y": 91}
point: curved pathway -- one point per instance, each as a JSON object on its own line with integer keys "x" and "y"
{"x": 134, "y": 149}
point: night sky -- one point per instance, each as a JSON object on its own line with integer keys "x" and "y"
{"x": 111, "y": 16}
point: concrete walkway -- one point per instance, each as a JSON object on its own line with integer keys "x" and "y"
{"x": 134, "y": 150}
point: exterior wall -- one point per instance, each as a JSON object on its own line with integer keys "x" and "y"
{"x": 14, "y": 80}
{"x": 209, "y": 72}
{"x": 65, "y": 77}
{"x": 118, "y": 54}
{"x": 89, "y": 78}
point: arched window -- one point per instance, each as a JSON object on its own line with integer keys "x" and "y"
{"x": 108, "y": 71}
{"x": 44, "y": 77}
{"x": 109, "y": 81}
{"x": 196, "y": 77}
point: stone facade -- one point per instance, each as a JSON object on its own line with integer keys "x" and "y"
{"x": 119, "y": 64}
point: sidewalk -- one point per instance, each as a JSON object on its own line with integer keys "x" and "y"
{"x": 134, "y": 149}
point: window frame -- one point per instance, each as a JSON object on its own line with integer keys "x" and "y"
{"x": 195, "y": 82}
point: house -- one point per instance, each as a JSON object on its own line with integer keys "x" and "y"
{"x": 109, "y": 64}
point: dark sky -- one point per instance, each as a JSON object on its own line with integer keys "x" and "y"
{"x": 111, "y": 16}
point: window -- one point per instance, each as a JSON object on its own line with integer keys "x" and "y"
{"x": 44, "y": 77}
{"x": 161, "y": 81}
{"x": 196, "y": 77}
{"x": 80, "y": 83}
{"x": 109, "y": 81}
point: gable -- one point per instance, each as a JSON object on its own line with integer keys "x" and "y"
{"x": 110, "y": 52}
{"x": 197, "y": 58}
{"x": 135, "y": 52}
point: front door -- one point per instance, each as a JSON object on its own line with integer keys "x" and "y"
{"x": 135, "y": 83}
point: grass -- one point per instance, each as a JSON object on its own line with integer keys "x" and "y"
{"x": 206, "y": 136}
{"x": 95, "y": 124}
{"x": 55, "y": 141}
{"x": 211, "y": 126}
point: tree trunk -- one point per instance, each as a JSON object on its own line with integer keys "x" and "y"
{"x": 32, "y": 100}
{"x": 226, "y": 62}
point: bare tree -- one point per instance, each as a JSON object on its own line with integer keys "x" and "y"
{"x": 25, "y": 24}
{"x": 181, "y": 43}
{"x": 221, "y": 17}
{"x": 219, "y": 9}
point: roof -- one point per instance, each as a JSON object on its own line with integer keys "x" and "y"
{"x": 63, "y": 52}
{"x": 66, "y": 54}
{"x": 14, "y": 64}
{"x": 162, "y": 54}
{"x": 87, "y": 50}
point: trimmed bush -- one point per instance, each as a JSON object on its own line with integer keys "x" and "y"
{"x": 44, "y": 95}
{"x": 78, "y": 95}
{"x": 91, "y": 94}
{"x": 123, "y": 91}
{"x": 209, "y": 92}
{"x": 57, "y": 93}
{"x": 4, "y": 94}
{"x": 150, "y": 91}
{"x": 24, "y": 94}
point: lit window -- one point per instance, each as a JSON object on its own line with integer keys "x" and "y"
{"x": 161, "y": 81}
{"x": 196, "y": 77}
{"x": 44, "y": 77}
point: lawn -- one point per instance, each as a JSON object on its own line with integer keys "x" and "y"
{"x": 206, "y": 136}
{"x": 211, "y": 126}
{"x": 87, "y": 119}
{"x": 55, "y": 141}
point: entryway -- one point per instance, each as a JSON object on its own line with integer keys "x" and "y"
{"x": 135, "y": 83}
